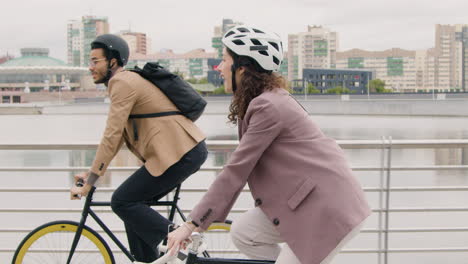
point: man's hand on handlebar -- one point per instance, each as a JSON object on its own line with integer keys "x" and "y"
{"x": 80, "y": 188}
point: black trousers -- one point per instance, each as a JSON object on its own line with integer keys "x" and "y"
{"x": 144, "y": 226}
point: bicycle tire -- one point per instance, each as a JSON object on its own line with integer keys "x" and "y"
{"x": 218, "y": 240}
{"x": 51, "y": 242}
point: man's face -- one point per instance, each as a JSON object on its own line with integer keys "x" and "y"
{"x": 98, "y": 65}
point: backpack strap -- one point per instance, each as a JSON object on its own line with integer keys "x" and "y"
{"x": 135, "y": 116}
{"x": 155, "y": 114}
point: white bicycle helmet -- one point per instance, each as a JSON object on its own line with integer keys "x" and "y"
{"x": 263, "y": 47}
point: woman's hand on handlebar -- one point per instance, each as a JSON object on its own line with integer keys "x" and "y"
{"x": 178, "y": 239}
{"x": 80, "y": 188}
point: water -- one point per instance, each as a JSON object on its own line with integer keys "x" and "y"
{"x": 87, "y": 128}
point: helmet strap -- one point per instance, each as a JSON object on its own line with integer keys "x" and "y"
{"x": 233, "y": 79}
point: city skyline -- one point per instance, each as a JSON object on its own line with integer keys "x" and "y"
{"x": 364, "y": 24}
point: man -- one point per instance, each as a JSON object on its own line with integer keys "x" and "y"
{"x": 171, "y": 147}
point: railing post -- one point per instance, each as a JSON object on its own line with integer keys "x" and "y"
{"x": 381, "y": 201}
{"x": 387, "y": 198}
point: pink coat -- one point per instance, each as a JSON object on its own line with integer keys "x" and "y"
{"x": 298, "y": 177}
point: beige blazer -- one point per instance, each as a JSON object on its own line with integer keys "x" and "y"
{"x": 160, "y": 141}
{"x": 298, "y": 177}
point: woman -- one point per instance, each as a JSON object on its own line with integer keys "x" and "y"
{"x": 305, "y": 193}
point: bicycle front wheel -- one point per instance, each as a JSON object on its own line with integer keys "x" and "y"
{"x": 51, "y": 243}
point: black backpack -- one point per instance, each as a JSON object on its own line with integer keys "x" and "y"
{"x": 180, "y": 92}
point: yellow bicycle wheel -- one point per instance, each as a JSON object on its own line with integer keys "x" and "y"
{"x": 218, "y": 240}
{"x": 51, "y": 242}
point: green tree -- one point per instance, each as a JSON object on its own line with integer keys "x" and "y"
{"x": 311, "y": 89}
{"x": 203, "y": 80}
{"x": 339, "y": 90}
{"x": 192, "y": 80}
{"x": 219, "y": 90}
{"x": 378, "y": 86}
{"x": 180, "y": 74}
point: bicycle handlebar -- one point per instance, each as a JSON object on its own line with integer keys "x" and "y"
{"x": 79, "y": 183}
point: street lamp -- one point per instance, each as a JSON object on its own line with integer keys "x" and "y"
{"x": 463, "y": 38}
{"x": 46, "y": 85}
{"x": 61, "y": 87}
{"x": 26, "y": 87}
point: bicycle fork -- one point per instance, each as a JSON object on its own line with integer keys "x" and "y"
{"x": 79, "y": 230}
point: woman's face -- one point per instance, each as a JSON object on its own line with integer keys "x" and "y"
{"x": 224, "y": 68}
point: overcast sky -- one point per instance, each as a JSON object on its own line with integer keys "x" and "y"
{"x": 186, "y": 24}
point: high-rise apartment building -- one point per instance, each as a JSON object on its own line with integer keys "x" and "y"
{"x": 80, "y": 34}
{"x": 446, "y": 57}
{"x": 440, "y": 68}
{"x": 193, "y": 64}
{"x": 74, "y": 40}
{"x": 137, "y": 42}
{"x": 450, "y": 58}
{"x": 397, "y": 67}
{"x": 315, "y": 48}
{"x": 218, "y": 35}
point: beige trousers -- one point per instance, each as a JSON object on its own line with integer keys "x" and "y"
{"x": 257, "y": 238}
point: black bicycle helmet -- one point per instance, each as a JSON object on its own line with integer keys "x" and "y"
{"x": 117, "y": 45}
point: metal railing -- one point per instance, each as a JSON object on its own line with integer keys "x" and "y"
{"x": 385, "y": 146}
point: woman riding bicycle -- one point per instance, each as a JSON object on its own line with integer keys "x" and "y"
{"x": 304, "y": 190}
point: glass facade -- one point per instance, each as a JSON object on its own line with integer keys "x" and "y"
{"x": 195, "y": 67}
{"x": 295, "y": 64}
{"x": 217, "y": 45}
{"x": 89, "y": 34}
{"x": 356, "y": 63}
{"x": 320, "y": 48}
{"x": 283, "y": 70}
{"x": 394, "y": 66}
{"x": 76, "y": 57}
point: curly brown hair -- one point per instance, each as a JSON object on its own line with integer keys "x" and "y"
{"x": 252, "y": 84}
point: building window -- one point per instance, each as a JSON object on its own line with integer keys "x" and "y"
{"x": 16, "y": 99}
{"x": 6, "y": 99}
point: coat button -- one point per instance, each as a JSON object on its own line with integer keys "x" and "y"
{"x": 258, "y": 202}
{"x": 276, "y": 221}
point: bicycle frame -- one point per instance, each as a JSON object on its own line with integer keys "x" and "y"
{"x": 194, "y": 259}
{"x": 88, "y": 211}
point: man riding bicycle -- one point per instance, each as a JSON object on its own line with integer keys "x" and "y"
{"x": 171, "y": 148}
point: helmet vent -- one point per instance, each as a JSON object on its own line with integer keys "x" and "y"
{"x": 263, "y": 52}
{"x": 238, "y": 42}
{"x": 243, "y": 30}
{"x": 229, "y": 34}
{"x": 275, "y": 60}
{"x": 274, "y": 45}
{"x": 256, "y": 42}
{"x": 240, "y": 36}
{"x": 257, "y": 31}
